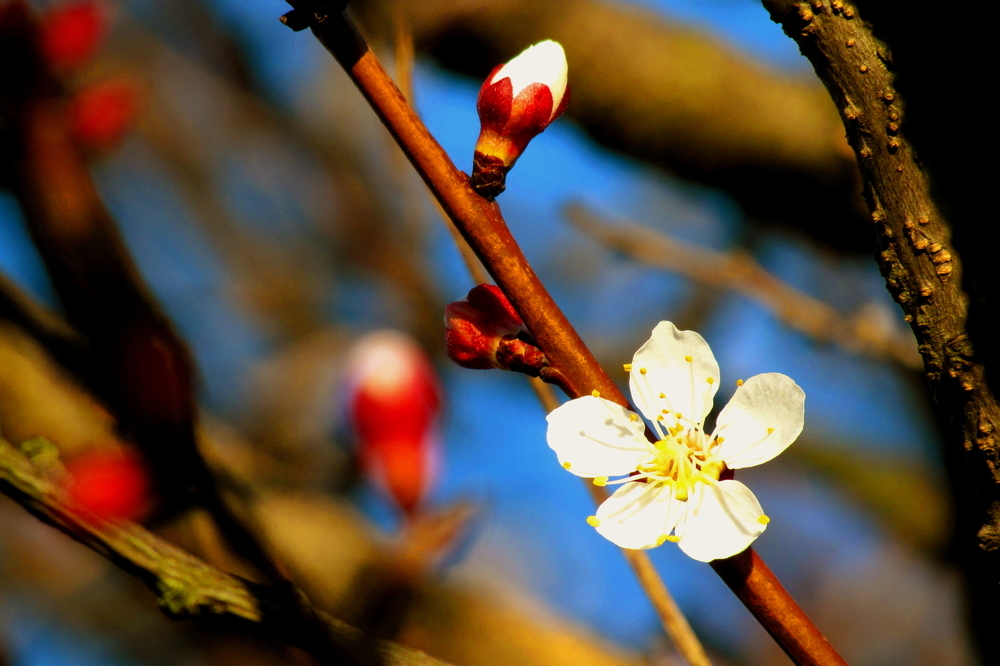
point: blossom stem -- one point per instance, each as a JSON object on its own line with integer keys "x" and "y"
{"x": 482, "y": 225}
{"x": 670, "y": 614}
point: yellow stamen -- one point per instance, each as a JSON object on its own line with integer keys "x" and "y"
{"x": 628, "y": 367}
{"x": 593, "y": 521}
{"x": 659, "y": 417}
{"x": 633, "y": 417}
{"x": 663, "y": 395}
{"x": 687, "y": 358}
{"x": 642, "y": 371}
{"x": 739, "y": 382}
{"x": 566, "y": 465}
{"x": 665, "y": 411}
{"x": 595, "y": 393}
{"x": 678, "y": 415}
{"x": 661, "y": 539}
{"x": 770, "y": 430}
{"x": 673, "y": 538}
{"x": 710, "y": 380}
{"x": 600, "y": 480}
{"x": 720, "y": 440}
{"x": 763, "y": 520}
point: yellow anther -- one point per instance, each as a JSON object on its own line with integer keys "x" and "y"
{"x": 713, "y": 470}
{"x": 763, "y": 520}
{"x": 600, "y": 480}
{"x": 687, "y": 358}
{"x": 566, "y": 465}
{"x": 665, "y": 411}
{"x": 660, "y": 540}
{"x": 720, "y": 440}
{"x": 739, "y": 382}
{"x": 595, "y": 393}
{"x": 642, "y": 371}
{"x": 628, "y": 367}
{"x": 770, "y": 430}
{"x": 673, "y": 538}
{"x": 710, "y": 380}
{"x": 681, "y": 494}
{"x": 593, "y": 521}
{"x": 633, "y": 417}
{"x": 678, "y": 415}
{"x": 663, "y": 395}
{"x": 659, "y": 417}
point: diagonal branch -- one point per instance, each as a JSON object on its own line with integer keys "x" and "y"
{"x": 483, "y": 226}
{"x": 187, "y": 587}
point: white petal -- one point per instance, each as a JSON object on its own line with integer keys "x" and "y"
{"x": 725, "y": 519}
{"x": 638, "y": 514}
{"x": 769, "y": 402}
{"x": 544, "y": 62}
{"x": 661, "y": 367}
{"x": 596, "y": 437}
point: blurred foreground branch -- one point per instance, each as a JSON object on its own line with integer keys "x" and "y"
{"x": 137, "y": 364}
{"x": 739, "y": 272}
{"x": 186, "y": 587}
{"x": 922, "y": 269}
{"x": 671, "y": 96}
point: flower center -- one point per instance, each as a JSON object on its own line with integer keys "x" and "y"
{"x": 681, "y": 460}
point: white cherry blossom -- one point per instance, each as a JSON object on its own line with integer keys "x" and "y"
{"x": 679, "y": 488}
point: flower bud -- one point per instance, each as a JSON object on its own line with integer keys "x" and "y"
{"x": 483, "y": 331}
{"x": 517, "y": 101}
{"x": 110, "y": 485}
{"x": 395, "y": 401}
{"x": 72, "y": 32}
{"x": 102, "y": 113}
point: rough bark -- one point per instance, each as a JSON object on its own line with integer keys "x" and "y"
{"x": 922, "y": 268}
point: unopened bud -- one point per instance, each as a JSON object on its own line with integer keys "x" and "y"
{"x": 102, "y": 113}
{"x": 517, "y": 101}
{"x": 395, "y": 401}
{"x": 483, "y": 331}
{"x": 72, "y": 32}
{"x": 109, "y": 485}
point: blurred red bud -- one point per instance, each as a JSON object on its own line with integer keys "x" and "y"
{"x": 517, "y": 101}
{"x": 72, "y": 32}
{"x": 102, "y": 113}
{"x": 395, "y": 402}
{"x": 109, "y": 484}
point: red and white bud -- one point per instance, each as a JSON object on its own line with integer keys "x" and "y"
{"x": 394, "y": 406}
{"x": 517, "y": 101}
{"x": 483, "y": 331}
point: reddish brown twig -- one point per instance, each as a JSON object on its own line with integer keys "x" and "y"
{"x": 673, "y": 620}
{"x": 482, "y": 225}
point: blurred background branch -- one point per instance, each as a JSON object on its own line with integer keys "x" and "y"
{"x": 868, "y": 331}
